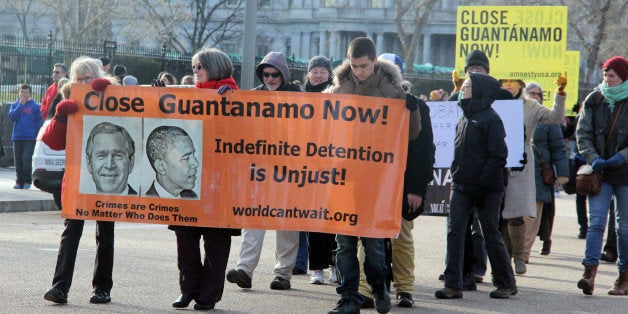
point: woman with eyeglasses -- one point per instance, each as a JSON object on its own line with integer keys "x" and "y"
{"x": 520, "y": 199}
{"x": 84, "y": 70}
{"x": 549, "y": 145}
{"x": 203, "y": 278}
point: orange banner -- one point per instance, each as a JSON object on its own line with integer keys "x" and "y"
{"x": 246, "y": 159}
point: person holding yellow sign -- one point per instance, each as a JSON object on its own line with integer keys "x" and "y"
{"x": 520, "y": 198}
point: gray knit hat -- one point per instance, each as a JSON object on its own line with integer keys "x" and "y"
{"x": 319, "y": 61}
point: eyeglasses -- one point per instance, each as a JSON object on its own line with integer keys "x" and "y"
{"x": 274, "y": 75}
{"x": 87, "y": 79}
{"x": 535, "y": 94}
{"x": 56, "y": 72}
{"x": 198, "y": 67}
{"x": 474, "y": 69}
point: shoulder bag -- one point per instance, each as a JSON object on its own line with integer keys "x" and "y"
{"x": 589, "y": 181}
{"x": 547, "y": 171}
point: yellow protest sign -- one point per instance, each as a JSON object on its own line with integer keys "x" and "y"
{"x": 521, "y": 42}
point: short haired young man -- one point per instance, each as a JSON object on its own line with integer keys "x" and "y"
{"x": 362, "y": 74}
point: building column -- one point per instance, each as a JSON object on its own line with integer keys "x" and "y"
{"x": 306, "y": 40}
{"x": 427, "y": 44}
{"x": 379, "y": 42}
{"x": 295, "y": 39}
{"x": 322, "y": 44}
{"x": 333, "y": 46}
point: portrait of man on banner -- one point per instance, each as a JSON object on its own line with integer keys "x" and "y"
{"x": 175, "y": 161}
{"x": 109, "y": 157}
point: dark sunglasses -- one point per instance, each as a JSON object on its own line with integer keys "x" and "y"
{"x": 274, "y": 75}
{"x": 198, "y": 67}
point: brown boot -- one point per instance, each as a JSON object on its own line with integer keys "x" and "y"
{"x": 588, "y": 279}
{"x": 621, "y": 284}
{"x": 518, "y": 240}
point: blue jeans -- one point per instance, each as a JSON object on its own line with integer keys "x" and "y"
{"x": 598, "y": 212}
{"x": 23, "y": 156}
{"x": 302, "y": 257}
{"x": 461, "y": 210}
{"x": 349, "y": 267}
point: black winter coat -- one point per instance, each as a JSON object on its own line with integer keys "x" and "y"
{"x": 480, "y": 150}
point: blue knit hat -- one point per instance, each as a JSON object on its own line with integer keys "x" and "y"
{"x": 396, "y": 59}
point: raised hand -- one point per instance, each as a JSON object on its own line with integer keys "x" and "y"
{"x": 561, "y": 83}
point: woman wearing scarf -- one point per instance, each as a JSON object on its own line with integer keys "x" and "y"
{"x": 602, "y": 138}
{"x": 203, "y": 279}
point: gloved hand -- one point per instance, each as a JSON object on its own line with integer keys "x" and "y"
{"x": 561, "y": 180}
{"x": 561, "y": 82}
{"x": 598, "y": 164}
{"x": 158, "y": 83}
{"x": 456, "y": 80}
{"x": 438, "y": 95}
{"x": 412, "y": 103}
{"x": 223, "y": 89}
{"x": 615, "y": 161}
{"x": 523, "y": 163}
{"x": 64, "y": 108}
{"x": 99, "y": 84}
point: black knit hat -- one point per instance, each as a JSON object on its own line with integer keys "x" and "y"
{"x": 105, "y": 61}
{"x": 476, "y": 58}
{"x": 119, "y": 70}
{"x": 319, "y": 61}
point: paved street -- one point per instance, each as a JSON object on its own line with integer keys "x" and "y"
{"x": 145, "y": 272}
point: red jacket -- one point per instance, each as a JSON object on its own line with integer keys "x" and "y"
{"x": 51, "y": 93}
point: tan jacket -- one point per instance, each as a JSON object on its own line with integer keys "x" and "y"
{"x": 384, "y": 82}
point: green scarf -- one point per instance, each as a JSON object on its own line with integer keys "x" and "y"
{"x": 615, "y": 93}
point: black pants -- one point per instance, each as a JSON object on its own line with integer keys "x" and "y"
{"x": 461, "y": 210}
{"x": 204, "y": 277}
{"x": 103, "y": 267}
{"x": 322, "y": 247}
{"x": 611, "y": 234}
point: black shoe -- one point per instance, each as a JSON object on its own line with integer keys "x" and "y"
{"x": 582, "y": 234}
{"x": 609, "y": 256}
{"x": 100, "y": 297}
{"x": 368, "y": 303}
{"x": 298, "y": 271}
{"x": 448, "y": 293}
{"x": 382, "y": 300}
{"x": 56, "y": 295}
{"x": 546, "y": 249}
{"x": 239, "y": 277}
{"x": 404, "y": 299}
{"x": 345, "y": 306}
{"x": 441, "y": 277}
{"x": 280, "y": 284}
{"x": 503, "y": 293}
{"x": 479, "y": 279}
{"x": 200, "y": 306}
{"x": 184, "y": 300}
